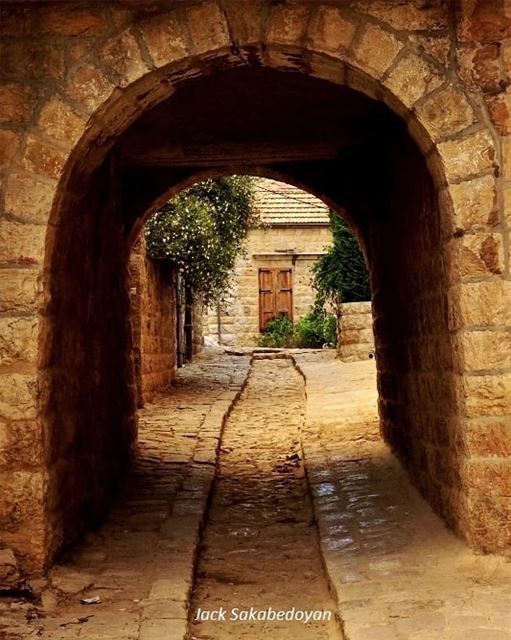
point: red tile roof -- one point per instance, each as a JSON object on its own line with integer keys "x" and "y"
{"x": 279, "y": 203}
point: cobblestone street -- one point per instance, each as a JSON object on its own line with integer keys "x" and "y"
{"x": 260, "y": 547}
{"x": 308, "y": 509}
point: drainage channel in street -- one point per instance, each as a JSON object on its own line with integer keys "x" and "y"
{"x": 260, "y": 573}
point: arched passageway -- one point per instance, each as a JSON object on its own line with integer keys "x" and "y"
{"x": 347, "y": 148}
{"x": 336, "y": 115}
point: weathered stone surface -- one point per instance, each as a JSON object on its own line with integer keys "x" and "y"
{"x": 208, "y": 27}
{"x": 34, "y": 60}
{"x": 376, "y": 50}
{"x": 80, "y": 22}
{"x": 288, "y": 24}
{"x": 123, "y": 55}
{"x": 483, "y": 254}
{"x": 489, "y": 437}
{"x": 487, "y": 350}
{"x": 9, "y": 144}
{"x": 412, "y": 78}
{"x": 18, "y": 339}
{"x": 20, "y": 289}
{"x": 88, "y": 86}
{"x": 28, "y": 197}
{"x": 445, "y": 113}
{"x": 409, "y": 16}
{"x": 21, "y": 443}
{"x": 468, "y": 156}
{"x": 164, "y": 38}
{"x": 474, "y": 202}
{"x": 488, "y": 395}
{"x": 506, "y": 157}
{"x": 18, "y": 396}
{"x": 355, "y": 340}
{"x": 486, "y": 303}
{"x": 507, "y": 206}
{"x": 10, "y": 575}
{"x": 42, "y": 158}
{"x": 153, "y": 320}
{"x": 59, "y": 121}
{"x": 330, "y": 31}
{"x": 488, "y": 476}
{"x": 246, "y": 20}
{"x": 70, "y": 581}
{"x": 21, "y": 243}
{"x": 16, "y": 102}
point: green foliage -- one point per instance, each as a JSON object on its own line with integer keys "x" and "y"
{"x": 316, "y": 329}
{"x": 202, "y": 230}
{"x": 277, "y": 333}
{"x": 312, "y": 331}
{"x": 341, "y": 274}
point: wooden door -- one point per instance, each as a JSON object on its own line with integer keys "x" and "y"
{"x": 275, "y": 295}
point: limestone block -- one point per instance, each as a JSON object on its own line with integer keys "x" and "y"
{"x": 122, "y": 54}
{"x": 208, "y": 27}
{"x": 164, "y": 38}
{"x": 21, "y": 243}
{"x": 474, "y": 202}
{"x": 18, "y": 339}
{"x": 483, "y": 254}
{"x": 488, "y": 395}
{"x": 20, "y": 289}
{"x": 9, "y": 144}
{"x": 488, "y": 476}
{"x": 287, "y": 24}
{"x": 10, "y": 575}
{"x": 486, "y": 303}
{"x": 89, "y": 86}
{"x": 81, "y": 22}
{"x": 58, "y": 120}
{"x": 16, "y": 102}
{"x": 377, "y": 49}
{"x": 489, "y": 437}
{"x": 487, "y": 350}
{"x": 507, "y": 206}
{"x": 506, "y": 157}
{"x": 245, "y": 19}
{"x": 406, "y": 16}
{"x": 445, "y": 113}
{"x": 43, "y": 158}
{"x": 467, "y": 156}
{"x": 411, "y": 79}
{"x": 330, "y": 31}
{"x": 29, "y": 198}
{"x": 18, "y": 396}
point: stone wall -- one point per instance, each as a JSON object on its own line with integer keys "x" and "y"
{"x": 355, "y": 339}
{"x": 240, "y": 314}
{"x": 153, "y": 321}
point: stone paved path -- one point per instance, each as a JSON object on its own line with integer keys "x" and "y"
{"x": 396, "y": 571}
{"x": 140, "y": 563}
{"x": 260, "y": 548}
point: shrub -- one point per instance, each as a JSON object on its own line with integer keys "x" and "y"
{"x": 310, "y": 332}
{"x": 341, "y": 274}
{"x": 277, "y": 333}
{"x": 316, "y": 329}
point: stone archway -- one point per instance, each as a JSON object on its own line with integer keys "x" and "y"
{"x": 137, "y": 62}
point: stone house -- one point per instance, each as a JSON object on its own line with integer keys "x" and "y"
{"x": 272, "y": 275}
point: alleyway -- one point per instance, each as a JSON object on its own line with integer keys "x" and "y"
{"x": 309, "y": 509}
{"x": 260, "y": 547}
